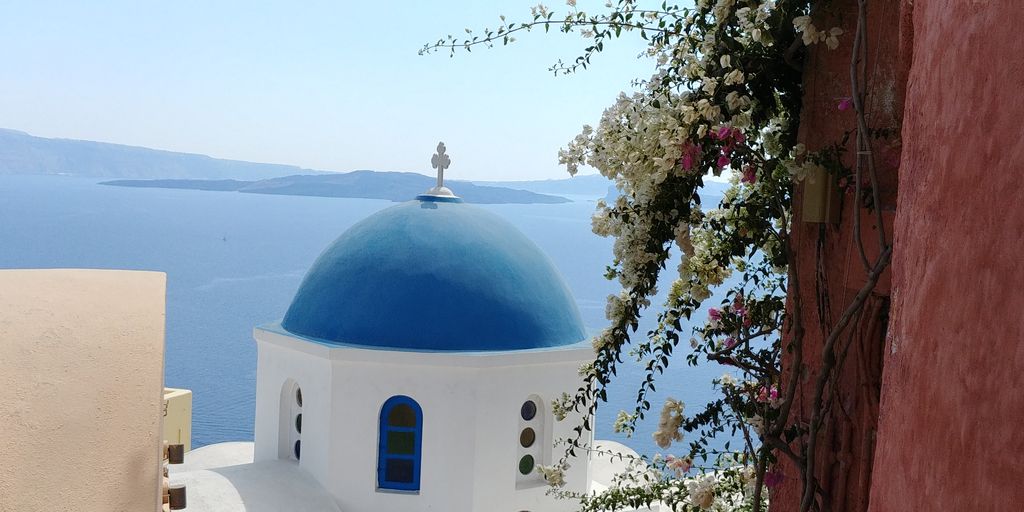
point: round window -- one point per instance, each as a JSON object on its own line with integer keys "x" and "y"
{"x": 526, "y": 464}
{"x": 527, "y": 437}
{"x": 297, "y": 446}
{"x": 529, "y": 410}
{"x": 298, "y": 423}
{"x": 298, "y": 396}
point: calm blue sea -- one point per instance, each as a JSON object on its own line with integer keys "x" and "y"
{"x": 233, "y": 261}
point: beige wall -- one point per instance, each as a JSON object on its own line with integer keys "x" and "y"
{"x": 81, "y": 383}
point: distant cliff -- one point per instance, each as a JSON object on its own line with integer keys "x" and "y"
{"x": 21, "y": 153}
{"x": 393, "y": 186}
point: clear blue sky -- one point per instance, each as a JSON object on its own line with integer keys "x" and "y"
{"x": 322, "y": 84}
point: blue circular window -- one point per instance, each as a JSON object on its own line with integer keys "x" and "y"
{"x": 529, "y": 410}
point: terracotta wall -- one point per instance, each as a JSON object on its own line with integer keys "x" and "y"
{"x": 933, "y": 404}
{"x": 951, "y": 428}
{"x": 846, "y": 443}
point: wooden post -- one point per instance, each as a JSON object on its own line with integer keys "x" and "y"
{"x": 175, "y": 454}
{"x": 177, "y": 496}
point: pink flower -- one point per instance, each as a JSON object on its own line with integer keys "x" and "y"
{"x": 723, "y": 161}
{"x": 730, "y": 342}
{"x": 679, "y": 465}
{"x": 715, "y": 314}
{"x": 773, "y": 478}
{"x": 737, "y": 303}
{"x": 691, "y": 155}
{"x": 749, "y": 174}
{"x": 722, "y": 133}
{"x": 769, "y": 395}
{"x": 845, "y": 104}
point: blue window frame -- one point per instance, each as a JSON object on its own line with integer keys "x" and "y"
{"x": 398, "y": 450}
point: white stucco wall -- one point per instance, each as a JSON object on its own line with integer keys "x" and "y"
{"x": 312, "y": 372}
{"x": 470, "y": 402}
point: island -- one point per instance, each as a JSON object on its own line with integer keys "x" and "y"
{"x": 365, "y": 184}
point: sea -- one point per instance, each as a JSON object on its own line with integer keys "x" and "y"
{"x": 233, "y": 261}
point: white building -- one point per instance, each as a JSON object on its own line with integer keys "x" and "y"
{"x": 413, "y": 371}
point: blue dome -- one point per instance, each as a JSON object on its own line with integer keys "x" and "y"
{"x": 435, "y": 274}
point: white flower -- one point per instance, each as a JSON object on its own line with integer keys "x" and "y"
{"x": 709, "y": 86}
{"x": 554, "y": 475}
{"x": 669, "y": 424}
{"x": 832, "y": 40}
{"x": 734, "y": 77}
{"x": 570, "y": 3}
{"x": 561, "y": 406}
{"x": 603, "y": 341}
{"x": 722, "y": 9}
{"x": 733, "y": 100}
{"x": 708, "y": 110}
{"x": 725, "y": 61}
{"x": 702, "y": 491}
{"x": 757, "y": 422}
{"x": 800, "y": 23}
{"x": 808, "y": 32}
{"x": 615, "y": 307}
{"x": 585, "y": 369}
{"x": 682, "y": 233}
{"x": 623, "y": 423}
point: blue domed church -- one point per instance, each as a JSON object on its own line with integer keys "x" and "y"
{"x": 416, "y": 365}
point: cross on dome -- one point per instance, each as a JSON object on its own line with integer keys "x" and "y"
{"x": 440, "y": 161}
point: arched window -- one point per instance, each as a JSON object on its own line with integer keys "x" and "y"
{"x": 398, "y": 452}
{"x": 532, "y": 443}
{"x": 290, "y": 430}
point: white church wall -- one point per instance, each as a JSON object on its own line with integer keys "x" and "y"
{"x": 278, "y": 365}
{"x": 501, "y": 396}
{"x": 446, "y": 462}
{"x": 470, "y": 421}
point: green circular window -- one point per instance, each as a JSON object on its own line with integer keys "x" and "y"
{"x": 528, "y": 410}
{"x": 526, "y": 464}
{"x": 527, "y": 437}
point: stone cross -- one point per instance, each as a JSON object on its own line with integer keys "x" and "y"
{"x": 440, "y": 161}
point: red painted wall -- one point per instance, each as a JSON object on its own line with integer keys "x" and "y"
{"x": 951, "y": 427}
{"x": 847, "y": 443}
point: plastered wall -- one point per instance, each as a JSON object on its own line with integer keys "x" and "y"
{"x": 81, "y": 381}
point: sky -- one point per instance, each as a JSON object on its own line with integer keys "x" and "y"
{"x": 329, "y": 85}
